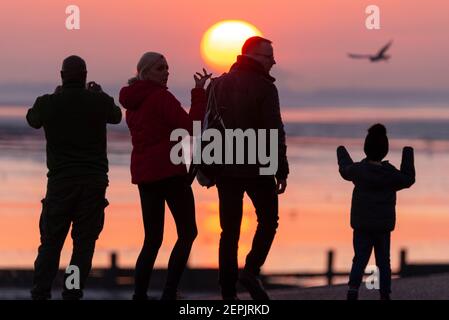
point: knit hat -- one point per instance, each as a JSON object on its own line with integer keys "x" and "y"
{"x": 146, "y": 62}
{"x": 376, "y": 143}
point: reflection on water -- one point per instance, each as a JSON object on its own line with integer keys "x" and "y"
{"x": 314, "y": 212}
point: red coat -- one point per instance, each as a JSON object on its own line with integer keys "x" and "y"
{"x": 152, "y": 113}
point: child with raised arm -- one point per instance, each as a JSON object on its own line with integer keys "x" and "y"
{"x": 373, "y": 209}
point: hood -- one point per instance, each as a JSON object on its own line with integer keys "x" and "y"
{"x": 249, "y": 64}
{"x": 132, "y": 96}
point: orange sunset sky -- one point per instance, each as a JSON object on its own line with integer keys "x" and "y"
{"x": 311, "y": 40}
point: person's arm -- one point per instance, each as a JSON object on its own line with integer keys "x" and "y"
{"x": 34, "y": 114}
{"x": 406, "y": 177}
{"x": 199, "y": 101}
{"x": 114, "y": 113}
{"x": 271, "y": 115}
{"x": 198, "y": 104}
{"x": 345, "y": 164}
{"x": 174, "y": 114}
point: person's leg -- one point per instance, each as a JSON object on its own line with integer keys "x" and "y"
{"x": 181, "y": 202}
{"x": 382, "y": 253}
{"x": 153, "y": 209}
{"x": 363, "y": 245}
{"x": 54, "y": 224}
{"x": 88, "y": 221}
{"x": 262, "y": 192}
{"x": 230, "y": 194}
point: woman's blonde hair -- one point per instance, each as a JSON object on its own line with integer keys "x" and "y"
{"x": 146, "y": 62}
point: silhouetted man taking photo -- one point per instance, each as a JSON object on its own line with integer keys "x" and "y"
{"x": 74, "y": 119}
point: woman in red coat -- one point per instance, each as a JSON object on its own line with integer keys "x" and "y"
{"x": 152, "y": 113}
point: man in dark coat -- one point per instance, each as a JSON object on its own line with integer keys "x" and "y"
{"x": 373, "y": 210}
{"x": 247, "y": 99}
{"x": 74, "y": 119}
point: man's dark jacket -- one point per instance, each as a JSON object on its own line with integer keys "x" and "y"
{"x": 74, "y": 120}
{"x": 247, "y": 98}
{"x": 374, "y": 197}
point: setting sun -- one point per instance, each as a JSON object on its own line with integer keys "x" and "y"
{"x": 223, "y": 42}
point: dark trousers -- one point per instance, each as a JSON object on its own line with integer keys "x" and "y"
{"x": 65, "y": 204}
{"x": 364, "y": 242}
{"x": 262, "y": 192}
{"x": 179, "y": 197}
